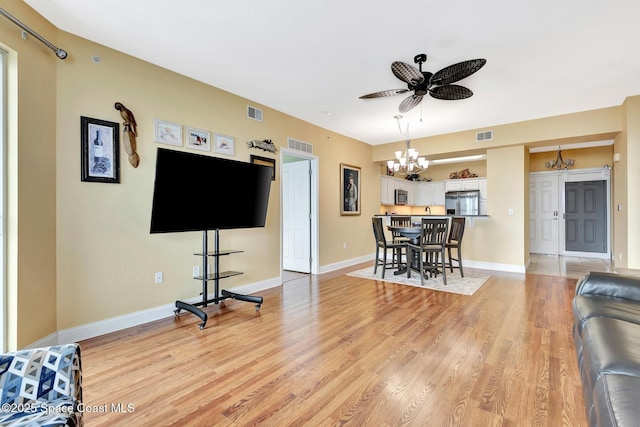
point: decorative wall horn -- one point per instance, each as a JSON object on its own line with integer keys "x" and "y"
{"x": 129, "y": 133}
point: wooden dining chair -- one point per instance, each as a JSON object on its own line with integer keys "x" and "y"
{"x": 400, "y": 221}
{"x": 430, "y": 248}
{"x": 382, "y": 244}
{"x": 455, "y": 242}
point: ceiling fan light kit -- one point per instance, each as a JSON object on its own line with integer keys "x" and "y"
{"x": 438, "y": 85}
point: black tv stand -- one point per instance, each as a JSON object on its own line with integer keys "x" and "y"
{"x": 214, "y": 276}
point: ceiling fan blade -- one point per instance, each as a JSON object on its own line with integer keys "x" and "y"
{"x": 409, "y": 102}
{"x": 407, "y": 73}
{"x": 450, "y": 92}
{"x": 456, "y": 72}
{"x": 384, "y": 93}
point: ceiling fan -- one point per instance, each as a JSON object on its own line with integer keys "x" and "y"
{"x": 437, "y": 85}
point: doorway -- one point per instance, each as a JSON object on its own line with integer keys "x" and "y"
{"x": 585, "y": 216}
{"x": 568, "y": 213}
{"x": 298, "y": 213}
{"x": 543, "y": 214}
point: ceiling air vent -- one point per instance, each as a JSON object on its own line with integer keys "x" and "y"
{"x": 294, "y": 144}
{"x": 254, "y": 113}
{"x": 487, "y": 135}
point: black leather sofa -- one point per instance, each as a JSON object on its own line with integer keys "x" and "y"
{"x": 606, "y": 331}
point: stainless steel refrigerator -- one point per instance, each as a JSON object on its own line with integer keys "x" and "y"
{"x": 462, "y": 202}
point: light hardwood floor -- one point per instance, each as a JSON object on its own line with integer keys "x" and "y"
{"x": 345, "y": 350}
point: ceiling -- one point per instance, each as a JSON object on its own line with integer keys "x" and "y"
{"x": 313, "y": 59}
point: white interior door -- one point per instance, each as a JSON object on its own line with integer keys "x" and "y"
{"x": 543, "y": 214}
{"x": 296, "y": 216}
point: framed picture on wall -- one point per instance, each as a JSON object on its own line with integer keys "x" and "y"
{"x": 349, "y": 189}
{"x": 198, "y": 139}
{"x": 224, "y": 144}
{"x": 100, "y": 150}
{"x": 168, "y": 133}
{"x": 265, "y": 161}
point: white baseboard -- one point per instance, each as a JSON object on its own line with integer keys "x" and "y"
{"x": 47, "y": 341}
{"x": 511, "y": 268}
{"x": 346, "y": 263}
{"x": 101, "y": 327}
{"x": 482, "y": 265}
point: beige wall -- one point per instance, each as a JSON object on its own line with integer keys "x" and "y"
{"x": 81, "y": 252}
{"x": 507, "y": 173}
{"x": 31, "y": 184}
{"x": 442, "y": 172}
{"x": 627, "y": 194}
{"x": 106, "y": 256}
{"x": 619, "y": 175}
{"x": 615, "y": 123}
{"x": 594, "y": 125}
{"x": 500, "y": 238}
{"x": 595, "y": 157}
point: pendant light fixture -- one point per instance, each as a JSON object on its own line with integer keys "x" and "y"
{"x": 407, "y": 162}
{"x": 559, "y": 162}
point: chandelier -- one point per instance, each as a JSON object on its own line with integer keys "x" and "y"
{"x": 407, "y": 162}
{"x": 559, "y": 162}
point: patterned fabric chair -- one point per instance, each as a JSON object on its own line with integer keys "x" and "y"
{"x": 41, "y": 387}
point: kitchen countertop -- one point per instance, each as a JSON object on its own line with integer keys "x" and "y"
{"x": 436, "y": 216}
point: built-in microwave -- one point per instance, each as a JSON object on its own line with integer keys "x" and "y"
{"x": 401, "y": 197}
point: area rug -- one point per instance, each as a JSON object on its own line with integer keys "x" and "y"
{"x": 466, "y": 285}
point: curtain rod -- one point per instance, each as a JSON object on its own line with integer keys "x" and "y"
{"x": 60, "y": 53}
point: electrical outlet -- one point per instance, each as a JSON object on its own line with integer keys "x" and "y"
{"x": 196, "y": 270}
{"x": 344, "y": 245}
{"x": 159, "y": 277}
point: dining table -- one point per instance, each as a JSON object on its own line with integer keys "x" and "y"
{"x": 413, "y": 234}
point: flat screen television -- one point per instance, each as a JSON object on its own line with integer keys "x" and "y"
{"x": 195, "y": 192}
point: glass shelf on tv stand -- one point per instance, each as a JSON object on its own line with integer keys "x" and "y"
{"x": 218, "y": 275}
{"x": 221, "y": 252}
{"x": 215, "y": 276}
{"x": 221, "y": 275}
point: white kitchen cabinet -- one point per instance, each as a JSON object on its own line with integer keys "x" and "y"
{"x": 484, "y": 196}
{"x": 408, "y": 186}
{"x": 439, "y": 189}
{"x": 471, "y": 184}
{"x": 483, "y": 207}
{"x": 462, "y": 184}
{"x": 429, "y": 194}
{"x": 453, "y": 186}
{"x": 388, "y": 185}
{"x": 386, "y": 190}
{"x": 421, "y": 194}
{"x": 482, "y": 182}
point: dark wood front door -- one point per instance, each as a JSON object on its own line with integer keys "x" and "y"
{"x": 586, "y": 216}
